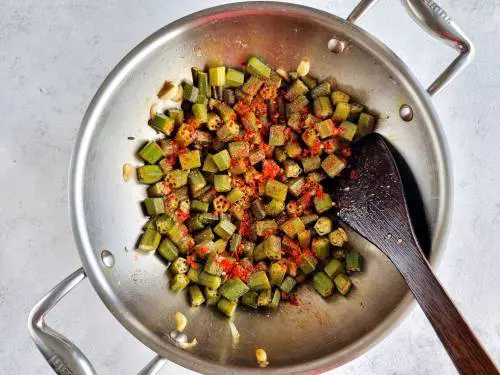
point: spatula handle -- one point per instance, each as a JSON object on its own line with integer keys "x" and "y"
{"x": 462, "y": 345}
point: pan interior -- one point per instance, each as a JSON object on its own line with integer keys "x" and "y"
{"x": 107, "y": 213}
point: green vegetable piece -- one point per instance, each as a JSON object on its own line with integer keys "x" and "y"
{"x": 209, "y": 164}
{"x": 154, "y": 206}
{"x": 311, "y": 163}
{"x": 342, "y": 111}
{"x": 252, "y": 86}
{"x": 200, "y": 112}
{"x": 203, "y": 249}
{"x": 366, "y": 124}
{"x": 288, "y": 284}
{"x": 323, "y": 203}
{"x": 333, "y": 268}
{"x": 212, "y": 296}
{"x": 177, "y": 115}
{"x": 277, "y": 135}
{"x": 194, "y": 273}
{"x": 298, "y": 104}
{"x": 202, "y": 83}
{"x": 356, "y": 110}
{"x": 222, "y": 183}
{"x": 272, "y": 247}
{"x": 208, "y": 280}
{"x": 264, "y": 227}
{"x": 209, "y": 218}
{"x": 213, "y": 264}
{"x": 233, "y": 289}
{"x": 150, "y": 240}
{"x": 175, "y": 233}
{"x": 332, "y": 165}
{"x": 338, "y": 237}
{"x": 308, "y": 264}
{"x": 292, "y": 227}
{"x": 348, "y": 130}
{"x": 297, "y": 89}
{"x": 258, "y": 209}
{"x": 295, "y": 186}
{"x": 222, "y": 160}
{"x": 220, "y": 246}
{"x": 151, "y": 153}
{"x": 234, "y": 242}
{"x": 163, "y": 123}
{"x": 340, "y": 97}
{"x": 149, "y": 174}
{"x": 323, "y": 226}
{"x": 258, "y": 281}
{"x": 323, "y": 284}
{"x": 274, "y": 207}
{"x": 177, "y": 178}
{"x": 157, "y": 190}
{"x": 275, "y": 301}
{"x": 196, "y": 180}
{"x": 325, "y": 128}
{"x": 294, "y": 121}
{"x": 227, "y": 307}
{"x": 304, "y": 238}
{"x": 277, "y": 273}
{"x": 195, "y": 223}
{"x": 239, "y": 150}
{"x": 179, "y": 282}
{"x": 179, "y": 265}
{"x": 199, "y": 206}
{"x": 168, "y": 250}
{"x": 250, "y": 299}
{"x": 203, "y": 236}
{"x": 248, "y": 248}
{"x": 321, "y": 247}
{"x": 323, "y": 89}
{"x": 190, "y": 160}
{"x": 309, "y": 81}
{"x": 292, "y": 169}
{"x": 217, "y": 76}
{"x": 189, "y": 92}
{"x": 235, "y": 195}
{"x": 257, "y": 156}
{"x": 343, "y": 284}
{"x": 259, "y": 252}
{"x": 234, "y": 78}
{"x": 309, "y": 219}
{"x": 353, "y": 262}
{"x": 163, "y": 223}
{"x": 275, "y": 189}
{"x": 310, "y": 137}
{"x": 196, "y": 296}
{"x": 257, "y": 68}
{"x": 264, "y": 298}
{"x": 323, "y": 107}
{"x": 225, "y": 229}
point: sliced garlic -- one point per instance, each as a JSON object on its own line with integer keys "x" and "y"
{"x": 282, "y": 73}
{"x": 234, "y": 333}
{"x": 187, "y": 345}
{"x": 180, "y": 321}
{"x": 303, "y": 68}
{"x": 127, "y": 172}
{"x": 168, "y": 91}
{"x": 261, "y": 356}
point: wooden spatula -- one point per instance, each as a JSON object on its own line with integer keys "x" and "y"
{"x": 372, "y": 202}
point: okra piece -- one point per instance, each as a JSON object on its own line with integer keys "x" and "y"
{"x": 163, "y": 123}
{"x": 235, "y": 195}
{"x": 310, "y": 81}
{"x": 194, "y": 223}
{"x": 238, "y": 167}
{"x": 298, "y": 104}
{"x": 179, "y": 265}
{"x": 338, "y": 237}
{"x": 248, "y": 248}
{"x": 348, "y": 130}
{"x": 311, "y": 120}
{"x": 277, "y": 135}
{"x": 297, "y": 89}
{"x": 194, "y": 272}
{"x": 233, "y": 289}
{"x": 250, "y": 299}
{"x": 340, "y": 97}
{"x": 150, "y": 240}
{"x": 209, "y": 164}
{"x": 342, "y": 111}
{"x": 208, "y": 280}
{"x": 225, "y": 229}
{"x": 355, "y": 112}
{"x": 275, "y": 301}
{"x": 196, "y": 180}
{"x": 151, "y": 152}
{"x": 214, "y": 122}
{"x": 323, "y": 284}
{"x": 221, "y": 204}
{"x": 264, "y": 227}
{"x": 323, "y": 89}
{"x": 177, "y": 178}
{"x": 258, "y": 209}
{"x": 321, "y": 247}
{"x": 366, "y": 123}
{"x": 189, "y": 92}
{"x": 203, "y": 236}
{"x": 159, "y": 189}
{"x": 239, "y": 150}
{"x": 323, "y": 203}
{"x": 154, "y": 206}
{"x": 272, "y": 247}
{"x": 323, "y": 226}
{"x": 222, "y": 160}
{"x": 310, "y": 137}
{"x": 292, "y": 169}
{"x": 199, "y": 206}
{"x": 264, "y": 298}
{"x": 168, "y": 250}
{"x": 334, "y": 268}
{"x": 190, "y": 160}
{"x": 277, "y": 273}
{"x": 304, "y": 238}
{"x": 252, "y": 86}
{"x": 353, "y": 262}
{"x": 227, "y": 307}
{"x": 295, "y": 186}
{"x": 323, "y": 107}
{"x": 257, "y": 156}
{"x": 222, "y": 183}
{"x": 308, "y": 264}
{"x": 220, "y": 246}
{"x": 275, "y": 189}
{"x": 151, "y": 223}
{"x": 343, "y": 284}
{"x": 292, "y": 227}
{"x": 179, "y": 282}
{"x": 311, "y": 163}
{"x": 234, "y": 78}
{"x": 177, "y": 115}
{"x": 212, "y": 296}
{"x": 200, "y": 112}
{"x": 226, "y": 112}
{"x": 203, "y": 249}
{"x": 288, "y": 284}
{"x": 175, "y": 233}
{"x": 259, "y": 252}
{"x": 196, "y": 296}
{"x": 258, "y": 281}
{"x": 294, "y": 121}
{"x": 235, "y": 242}
{"x": 274, "y": 207}
{"x": 332, "y": 165}
{"x": 325, "y": 128}
{"x": 217, "y": 76}
{"x": 257, "y": 68}
{"x": 309, "y": 219}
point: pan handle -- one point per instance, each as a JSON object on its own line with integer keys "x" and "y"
{"x": 64, "y": 357}
{"x": 436, "y": 21}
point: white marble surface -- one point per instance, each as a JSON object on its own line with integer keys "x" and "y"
{"x": 53, "y": 56}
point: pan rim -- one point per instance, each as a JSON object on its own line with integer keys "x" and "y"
{"x": 90, "y": 121}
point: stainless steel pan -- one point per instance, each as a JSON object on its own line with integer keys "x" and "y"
{"x": 319, "y": 334}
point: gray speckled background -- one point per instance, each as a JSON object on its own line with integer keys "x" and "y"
{"x": 53, "y": 56}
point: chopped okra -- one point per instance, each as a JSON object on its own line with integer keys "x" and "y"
{"x": 238, "y": 184}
